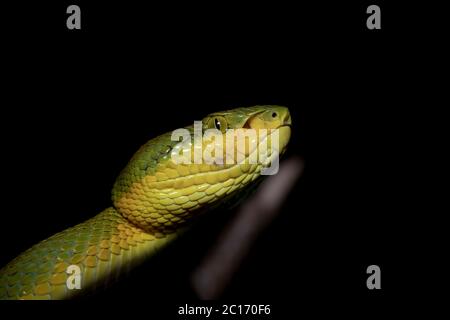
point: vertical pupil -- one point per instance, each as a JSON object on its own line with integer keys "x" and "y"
{"x": 217, "y": 123}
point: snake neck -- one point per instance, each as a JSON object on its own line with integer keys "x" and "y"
{"x": 160, "y": 196}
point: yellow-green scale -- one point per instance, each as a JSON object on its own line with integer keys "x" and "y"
{"x": 102, "y": 247}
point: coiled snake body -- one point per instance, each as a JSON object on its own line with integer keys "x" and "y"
{"x": 153, "y": 200}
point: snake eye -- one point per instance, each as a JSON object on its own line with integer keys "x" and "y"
{"x": 274, "y": 115}
{"x": 217, "y": 124}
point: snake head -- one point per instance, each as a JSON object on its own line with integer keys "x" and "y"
{"x": 257, "y": 120}
{"x": 160, "y": 194}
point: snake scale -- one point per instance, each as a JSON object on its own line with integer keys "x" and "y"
{"x": 154, "y": 200}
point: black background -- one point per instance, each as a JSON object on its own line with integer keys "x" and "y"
{"x": 82, "y": 102}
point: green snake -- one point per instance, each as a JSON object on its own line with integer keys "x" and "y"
{"x": 154, "y": 200}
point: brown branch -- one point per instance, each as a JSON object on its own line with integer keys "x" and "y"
{"x": 216, "y": 270}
